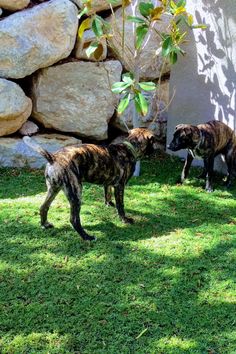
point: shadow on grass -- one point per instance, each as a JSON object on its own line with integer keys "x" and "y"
{"x": 163, "y": 285}
{"x": 103, "y": 296}
{"x": 167, "y": 169}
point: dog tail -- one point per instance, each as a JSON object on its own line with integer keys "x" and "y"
{"x": 32, "y": 144}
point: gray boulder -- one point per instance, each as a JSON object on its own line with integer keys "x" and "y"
{"x": 15, "y": 153}
{"x": 98, "y": 5}
{"x": 37, "y": 37}
{"x": 15, "y": 107}
{"x": 76, "y": 97}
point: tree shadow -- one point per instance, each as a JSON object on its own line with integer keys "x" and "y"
{"x": 123, "y": 289}
{"x": 216, "y": 64}
{"x": 100, "y": 297}
{"x": 203, "y": 81}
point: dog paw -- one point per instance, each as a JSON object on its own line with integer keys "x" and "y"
{"x": 179, "y": 181}
{"x": 110, "y": 204}
{"x": 87, "y": 237}
{"x": 227, "y": 184}
{"x": 47, "y": 225}
{"x": 127, "y": 220}
{"x": 209, "y": 189}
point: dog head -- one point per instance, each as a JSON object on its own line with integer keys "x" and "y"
{"x": 186, "y": 136}
{"x": 143, "y": 140}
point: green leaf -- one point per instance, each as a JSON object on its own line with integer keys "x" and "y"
{"x": 128, "y": 78}
{"x": 202, "y": 26}
{"x": 173, "y": 57}
{"x": 135, "y": 19}
{"x": 137, "y": 105}
{"x": 83, "y": 12}
{"x": 141, "y": 32}
{"x": 105, "y": 25}
{"x": 145, "y": 8}
{"x": 124, "y": 102}
{"x": 181, "y": 3}
{"x": 91, "y": 49}
{"x": 167, "y": 46}
{"x": 113, "y": 2}
{"x": 97, "y": 26}
{"x": 178, "y": 50}
{"x": 119, "y": 87}
{"x": 147, "y": 86}
{"x": 172, "y": 4}
{"x": 141, "y": 104}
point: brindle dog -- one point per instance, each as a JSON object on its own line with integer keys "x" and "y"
{"x": 205, "y": 141}
{"x": 110, "y": 166}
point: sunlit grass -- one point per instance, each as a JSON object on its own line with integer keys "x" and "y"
{"x": 163, "y": 285}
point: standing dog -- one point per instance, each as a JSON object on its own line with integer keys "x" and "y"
{"x": 205, "y": 141}
{"x": 110, "y": 166}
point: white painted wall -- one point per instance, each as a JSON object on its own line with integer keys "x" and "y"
{"x": 204, "y": 81}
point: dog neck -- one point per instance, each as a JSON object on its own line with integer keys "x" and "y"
{"x": 194, "y": 150}
{"x": 131, "y": 149}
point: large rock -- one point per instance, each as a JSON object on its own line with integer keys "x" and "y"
{"x": 98, "y": 5}
{"x": 76, "y": 97}
{"x": 15, "y": 107}
{"x": 150, "y": 63}
{"x": 15, "y": 153}
{"x": 37, "y": 37}
{"x": 14, "y": 5}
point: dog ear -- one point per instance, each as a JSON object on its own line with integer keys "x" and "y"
{"x": 179, "y": 126}
{"x": 153, "y": 141}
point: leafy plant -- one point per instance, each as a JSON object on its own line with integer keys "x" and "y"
{"x": 131, "y": 90}
{"x": 171, "y": 42}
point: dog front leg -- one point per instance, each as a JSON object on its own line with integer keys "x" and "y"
{"x": 209, "y": 166}
{"x": 74, "y": 193}
{"x": 119, "y": 197}
{"x": 187, "y": 165}
{"x": 108, "y": 196}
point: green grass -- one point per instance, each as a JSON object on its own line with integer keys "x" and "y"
{"x": 163, "y": 285}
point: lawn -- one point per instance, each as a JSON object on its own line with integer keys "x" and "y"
{"x": 165, "y": 285}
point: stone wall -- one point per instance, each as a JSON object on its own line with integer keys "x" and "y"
{"x": 49, "y": 86}
{"x": 204, "y": 81}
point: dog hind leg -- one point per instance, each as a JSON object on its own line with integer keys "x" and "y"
{"x": 73, "y": 192}
{"x": 51, "y": 194}
{"x": 108, "y": 196}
